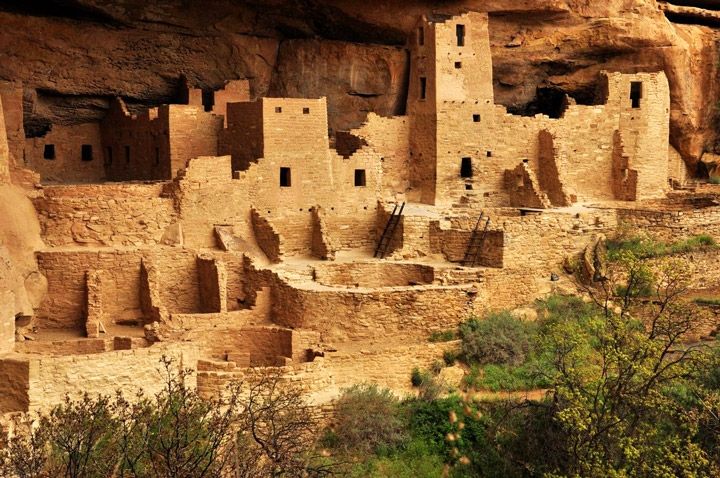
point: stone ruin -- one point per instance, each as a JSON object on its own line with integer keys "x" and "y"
{"x": 233, "y": 234}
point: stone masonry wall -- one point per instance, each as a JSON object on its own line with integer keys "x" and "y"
{"x": 67, "y": 164}
{"x": 104, "y": 215}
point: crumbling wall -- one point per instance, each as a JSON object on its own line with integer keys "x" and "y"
{"x": 192, "y": 133}
{"x": 212, "y": 282}
{"x": 390, "y": 138}
{"x": 136, "y": 146}
{"x": 107, "y": 215}
{"x": 524, "y": 188}
{"x": 64, "y": 305}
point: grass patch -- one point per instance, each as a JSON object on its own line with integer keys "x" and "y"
{"x": 531, "y": 375}
{"x": 645, "y": 247}
{"x": 442, "y": 336}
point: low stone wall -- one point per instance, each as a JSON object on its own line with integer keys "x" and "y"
{"x": 674, "y": 225}
{"x": 38, "y": 384}
{"x": 373, "y": 274}
{"x": 342, "y": 315}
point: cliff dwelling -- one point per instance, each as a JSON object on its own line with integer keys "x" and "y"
{"x": 233, "y": 229}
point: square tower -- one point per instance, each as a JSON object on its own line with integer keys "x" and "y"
{"x": 451, "y": 65}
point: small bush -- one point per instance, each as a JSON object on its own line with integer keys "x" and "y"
{"x": 368, "y": 419}
{"x": 714, "y": 179}
{"x": 449, "y": 357}
{"x": 437, "y": 367}
{"x": 499, "y": 339}
{"x": 442, "y": 336}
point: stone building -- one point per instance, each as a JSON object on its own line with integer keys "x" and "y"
{"x": 232, "y": 233}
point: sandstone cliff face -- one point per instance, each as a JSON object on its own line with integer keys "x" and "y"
{"x": 73, "y": 55}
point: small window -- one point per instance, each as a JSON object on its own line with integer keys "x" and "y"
{"x": 423, "y": 87}
{"x": 359, "y": 177}
{"x": 306, "y": 111}
{"x": 421, "y": 36}
{"x": 489, "y": 154}
{"x": 278, "y": 109}
{"x": 635, "y": 93}
{"x": 49, "y": 151}
{"x": 476, "y": 118}
{"x": 460, "y": 33}
{"x": 458, "y": 65}
{"x": 285, "y": 180}
{"x": 208, "y": 100}
{"x": 157, "y": 156}
{"x": 86, "y": 153}
{"x": 127, "y": 154}
{"x": 466, "y": 168}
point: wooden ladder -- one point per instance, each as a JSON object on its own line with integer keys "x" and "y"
{"x": 389, "y": 231}
{"x": 477, "y": 238}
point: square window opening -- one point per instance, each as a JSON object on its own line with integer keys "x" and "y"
{"x": 489, "y": 154}
{"x": 49, "y": 152}
{"x": 423, "y": 87}
{"x": 360, "y": 178}
{"x": 466, "y": 168}
{"x": 306, "y": 111}
{"x": 458, "y": 65}
{"x": 86, "y": 152}
{"x": 635, "y": 93}
{"x": 476, "y": 118}
{"x": 468, "y": 187}
{"x": 285, "y": 178}
{"x": 460, "y": 33}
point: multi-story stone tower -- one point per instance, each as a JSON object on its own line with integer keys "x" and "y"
{"x": 449, "y": 93}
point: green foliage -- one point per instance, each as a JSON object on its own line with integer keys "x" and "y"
{"x": 643, "y": 247}
{"x": 449, "y": 357}
{"x": 368, "y": 419}
{"x": 532, "y": 374}
{"x": 414, "y": 461}
{"x": 714, "y": 179}
{"x": 175, "y": 433}
{"x": 499, "y": 338}
{"x": 442, "y": 336}
{"x": 706, "y": 301}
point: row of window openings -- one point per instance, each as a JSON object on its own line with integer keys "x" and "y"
{"x": 286, "y": 178}
{"x": 86, "y": 153}
{"x": 459, "y": 35}
{"x": 278, "y": 109}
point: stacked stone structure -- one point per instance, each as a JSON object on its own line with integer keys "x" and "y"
{"x": 230, "y": 234}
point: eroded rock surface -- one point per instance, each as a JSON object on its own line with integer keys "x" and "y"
{"x": 74, "y": 55}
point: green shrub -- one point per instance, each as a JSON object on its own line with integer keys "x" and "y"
{"x": 449, "y": 357}
{"x": 414, "y": 461}
{"x": 714, "y": 179}
{"x": 436, "y": 367}
{"x": 442, "y": 336}
{"x": 706, "y": 301}
{"x": 500, "y": 338}
{"x": 368, "y": 419}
